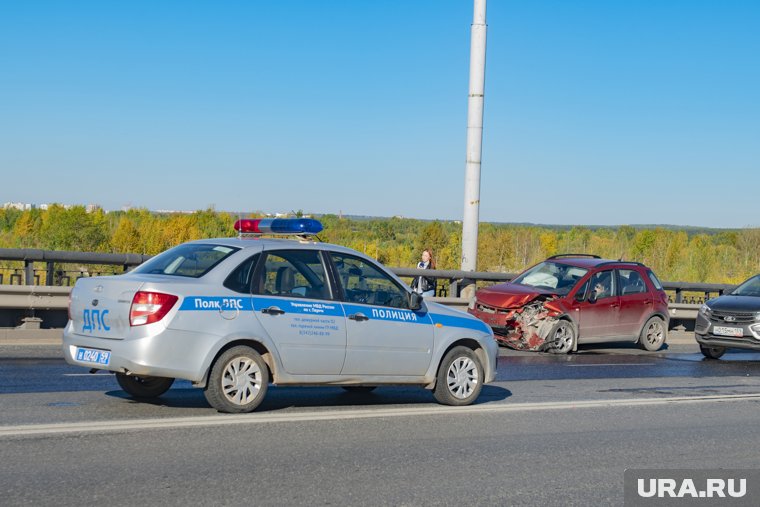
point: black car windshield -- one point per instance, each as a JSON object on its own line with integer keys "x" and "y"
{"x": 552, "y": 276}
{"x": 749, "y": 288}
{"x": 193, "y": 260}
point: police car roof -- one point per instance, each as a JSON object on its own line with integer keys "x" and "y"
{"x": 269, "y": 242}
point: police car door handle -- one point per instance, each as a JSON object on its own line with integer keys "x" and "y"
{"x": 272, "y": 310}
{"x": 358, "y": 317}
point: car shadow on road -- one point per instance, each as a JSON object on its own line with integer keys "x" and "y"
{"x": 605, "y": 348}
{"x": 287, "y": 398}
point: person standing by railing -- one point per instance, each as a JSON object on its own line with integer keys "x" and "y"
{"x": 421, "y": 284}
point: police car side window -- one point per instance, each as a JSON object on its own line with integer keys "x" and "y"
{"x": 366, "y": 284}
{"x": 240, "y": 278}
{"x": 292, "y": 273}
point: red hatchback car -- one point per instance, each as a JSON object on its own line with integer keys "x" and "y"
{"x": 571, "y": 299}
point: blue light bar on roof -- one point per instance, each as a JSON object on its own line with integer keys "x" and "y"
{"x": 297, "y": 226}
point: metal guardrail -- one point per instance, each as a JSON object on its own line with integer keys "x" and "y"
{"x": 685, "y": 297}
{"x": 35, "y": 297}
{"x": 455, "y": 278}
{"x": 32, "y": 276}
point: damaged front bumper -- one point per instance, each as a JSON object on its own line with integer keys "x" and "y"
{"x": 524, "y": 328}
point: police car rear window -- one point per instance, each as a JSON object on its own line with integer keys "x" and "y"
{"x": 190, "y": 260}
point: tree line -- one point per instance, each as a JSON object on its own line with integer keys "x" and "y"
{"x": 688, "y": 254}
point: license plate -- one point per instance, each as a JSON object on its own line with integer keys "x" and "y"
{"x": 728, "y": 331}
{"x": 102, "y": 357}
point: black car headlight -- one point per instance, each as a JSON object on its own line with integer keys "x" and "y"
{"x": 705, "y": 311}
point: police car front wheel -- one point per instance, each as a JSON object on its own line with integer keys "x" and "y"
{"x": 460, "y": 377}
{"x": 238, "y": 381}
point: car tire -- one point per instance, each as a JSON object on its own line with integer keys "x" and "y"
{"x": 238, "y": 381}
{"x": 460, "y": 378}
{"x": 140, "y": 386}
{"x": 562, "y": 337}
{"x": 712, "y": 352}
{"x": 653, "y": 334}
{"x": 359, "y": 389}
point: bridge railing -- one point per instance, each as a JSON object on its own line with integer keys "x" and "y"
{"x": 36, "y": 269}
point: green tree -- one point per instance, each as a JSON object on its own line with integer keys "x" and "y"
{"x": 127, "y": 238}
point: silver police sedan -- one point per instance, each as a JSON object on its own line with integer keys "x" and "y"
{"x": 234, "y": 315}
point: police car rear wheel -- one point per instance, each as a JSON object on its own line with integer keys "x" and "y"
{"x": 238, "y": 381}
{"x": 460, "y": 378}
{"x": 143, "y": 386}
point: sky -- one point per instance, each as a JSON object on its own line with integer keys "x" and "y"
{"x": 596, "y": 112}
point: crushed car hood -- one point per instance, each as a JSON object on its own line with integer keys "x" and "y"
{"x": 509, "y": 295}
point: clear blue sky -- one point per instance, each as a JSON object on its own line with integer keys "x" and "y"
{"x": 596, "y": 112}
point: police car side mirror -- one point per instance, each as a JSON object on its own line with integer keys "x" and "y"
{"x": 415, "y": 301}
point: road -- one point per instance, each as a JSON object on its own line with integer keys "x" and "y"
{"x": 552, "y": 430}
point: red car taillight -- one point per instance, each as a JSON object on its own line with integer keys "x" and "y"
{"x": 150, "y": 307}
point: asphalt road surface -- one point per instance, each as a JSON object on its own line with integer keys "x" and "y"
{"x": 552, "y": 430}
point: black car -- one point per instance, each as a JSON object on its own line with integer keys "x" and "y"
{"x": 732, "y": 320}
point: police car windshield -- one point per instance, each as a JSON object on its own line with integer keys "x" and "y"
{"x": 552, "y": 276}
{"x": 192, "y": 260}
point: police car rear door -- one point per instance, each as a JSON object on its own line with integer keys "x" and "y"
{"x": 292, "y": 299}
{"x": 384, "y": 336}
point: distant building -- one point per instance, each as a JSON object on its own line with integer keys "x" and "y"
{"x": 21, "y": 206}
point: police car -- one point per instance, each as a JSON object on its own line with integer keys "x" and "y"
{"x": 234, "y": 315}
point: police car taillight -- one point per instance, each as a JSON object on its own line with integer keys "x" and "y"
{"x": 149, "y": 307}
{"x": 297, "y": 226}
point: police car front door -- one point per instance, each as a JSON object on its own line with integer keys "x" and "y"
{"x": 291, "y": 300}
{"x": 384, "y": 337}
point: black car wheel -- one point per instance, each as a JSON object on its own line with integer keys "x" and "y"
{"x": 143, "y": 387}
{"x": 712, "y": 352}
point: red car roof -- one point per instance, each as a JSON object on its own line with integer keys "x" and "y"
{"x": 588, "y": 262}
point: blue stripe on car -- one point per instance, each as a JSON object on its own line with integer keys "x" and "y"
{"x": 388, "y": 314}
{"x": 215, "y": 303}
{"x": 465, "y": 322}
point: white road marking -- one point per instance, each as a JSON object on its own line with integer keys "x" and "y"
{"x": 612, "y": 364}
{"x": 336, "y": 415}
